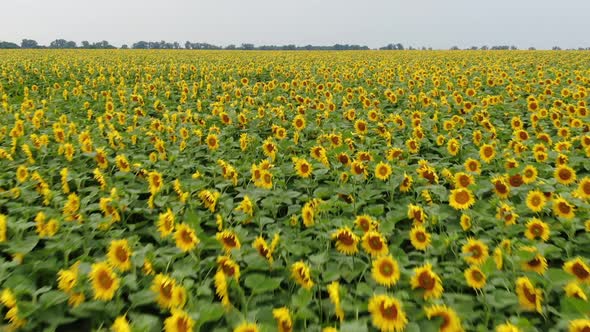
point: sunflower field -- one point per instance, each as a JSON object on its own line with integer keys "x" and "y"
{"x": 294, "y": 191}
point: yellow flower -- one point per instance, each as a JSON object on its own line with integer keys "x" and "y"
{"x": 487, "y": 153}
{"x": 346, "y": 241}
{"x": 155, "y": 181}
{"x": 209, "y": 199}
{"x": 382, "y": 171}
{"x": 179, "y": 321}
{"x": 507, "y": 327}
{"x": 7, "y": 298}
{"x": 475, "y": 251}
{"x": 537, "y": 229}
{"x": 419, "y": 237}
{"x": 230, "y": 268}
{"x": 166, "y": 223}
{"x": 562, "y": 208}
{"x": 302, "y": 167}
{"x": 104, "y": 281}
{"x": 67, "y": 279}
{"x": 387, "y": 313}
{"x": 246, "y": 327}
{"x": 564, "y": 174}
{"x": 334, "y": 294}
{"x": 221, "y": 290}
{"x": 2, "y": 228}
{"x": 584, "y": 188}
{"x": 475, "y": 278}
{"x": 119, "y": 255}
{"x": 425, "y": 279}
{"x": 302, "y": 275}
{"x": 385, "y": 271}
{"x": 121, "y": 325}
{"x": 283, "y": 317}
{"x": 22, "y": 173}
{"x": 246, "y": 206}
{"x": 374, "y": 244}
{"x": 578, "y": 269}
{"x": 529, "y": 297}
{"x": 579, "y": 325}
{"x": 450, "y": 320}
{"x": 186, "y": 238}
{"x": 535, "y": 200}
{"x": 229, "y": 240}
{"x": 572, "y": 289}
{"x": 461, "y": 199}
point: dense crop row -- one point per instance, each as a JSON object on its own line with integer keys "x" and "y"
{"x": 254, "y": 191}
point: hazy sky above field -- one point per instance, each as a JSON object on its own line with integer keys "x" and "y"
{"x": 375, "y": 23}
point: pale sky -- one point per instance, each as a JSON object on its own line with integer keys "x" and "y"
{"x": 375, "y": 23}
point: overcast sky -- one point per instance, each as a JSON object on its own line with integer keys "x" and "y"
{"x": 375, "y": 23}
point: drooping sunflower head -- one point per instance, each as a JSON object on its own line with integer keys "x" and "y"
{"x": 229, "y": 240}
{"x": 450, "y": 320}
{"x": 302, "y": 275}
{"x": 346, "y": 241}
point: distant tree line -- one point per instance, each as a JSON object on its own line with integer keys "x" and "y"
{"x": 188, "y": 45}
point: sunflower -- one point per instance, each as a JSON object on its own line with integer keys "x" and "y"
{"x": 104, "y": 281}
{"x": 382, "y": 171}
{"x": 573, "y": 289}
{"x": 387, "y": 313}
{"x": 246, "y": 327}
{"x": 487, "y": 153}
{"x": 475, "y": 278}
{"x": 529, "y": 297}
{"x": 155, "y": 182}
{"x": 334, "y": 295}
{"x": 584, "y": 188}
{"x": 186, "y": 238}
{"x": 166, "y": 223}
{"x": 122, "y": 163}
{"x": 246, "y": 206}
{"x": 385, "y": 270}
{"x": 346, "y": 241}
{"x": 419, "y": 237}
{"x": 209, "y": 199}
{"x": 465, "y": 222}
{"x": 119, "y": 255}
{"x": 529, "y": 174}
{"x": 427, "y": 280}
{"x": 416, "y": 214}
{"x": 579, "y": 325}
{"x": 565, "y": 175}
{"x": 365, "y": 223}
{"x": 562, "y": 208}
{"x": 179, "y": 321}
{"x": 472, "y": 165}
{"x": 450, "y": 320}
{"x": 579, "y": 269}
{"x": 360, "y": 126}
{"x": 374, "y": 244}
{"x": 121, "y": 325}
{"x": 22, "y": 173}
{"x": 463, "y": 180}
{"x": 299, "y": 122}
{"x": 357, "y": 167}
{"x": 406, "y": 183}
{"x": 501, "y": 187}
{"x": 212, "y": 142}
{"x": 413, "y": 146}
{"x": 229, "y": 267}
{"x": 302, "y": 275}
{"x": 166, "y": 290}
{"x": 220, "y": 282}
{"x": 229, "y": 240}
{"x": 302, "y": 167}
{"x": 67, "y": 279}
{"x": 537, "y": 229}
{"x": 535, "y": 200}
{"x": 475, "y": 252}
{"x": 538, "y": 263}
{"x": 283, "y": 317}
{"x": 461, "y": 199}
{"x": 507, "y": 327}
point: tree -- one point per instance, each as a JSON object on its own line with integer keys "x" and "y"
{"x": 532, "y": 48}
{"x": 230, "y": 47}
{"x": 124, "y": 47}
{"x": 85, "y": 44}
{"x": 29, "y": 43}
{"x": 454, "y": 48}
{"x": 556, "y": 48}
{"x": 247, "y": 47}
{"x": 5, "y": 45}
{"x": 140, "y": 45}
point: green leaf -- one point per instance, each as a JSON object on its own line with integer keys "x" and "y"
{"x": 143, "y": 297}
{"x": 260, "y": 283}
